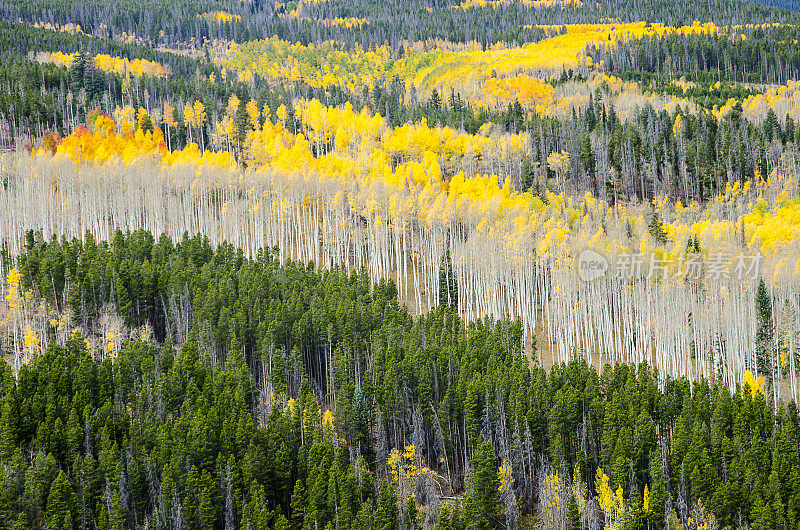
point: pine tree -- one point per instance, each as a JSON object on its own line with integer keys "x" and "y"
{"x": 8, "y": 429}
{"x": 771, "y": 125}
{"x": 573, "y": 515}
{"x": 448, "y": 286}
{"x": 455, "y": 101}
{"x": 207, "y": 511}
{"x": 22, "y": 522}
{"x": 444, "y": 522}
{"x": 361, "y": 426}
{"x": 587, "y": 157}
{"x": 658, "y": 492}
{"x": 278, "y": 372}
{"x": 764, "y": 330}
{"x": 435, "y": 101}
{"x": 241, "y": 124}
{"x": 411, "y": 513}
{"x": 77, "y": 71}
{"x": 191, "y": 496}
{"x": 93, "y": 81}
{"x": 364, "y": 519}
{"x": 281, "y": 523}
{"x": 116, "y": 519}
{"x": 8, "y": 497}
{"x": 789, "y": 134}
{"x": 298, "y": 505}
{"x": 656, "y": 229}
{"x": 75, "y": 437}
{"x": 146, "y": 124}
{"x": 386, "y": 516}
{"x": 528, "y": 174}
{"x": 486, "y": 484}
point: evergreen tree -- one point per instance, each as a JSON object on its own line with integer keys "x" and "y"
{"x": 587, "y": 157}
{"x": 412, "y": 514}
{"x": 656, "y": 229}
{"x": 573, "y": 515}
{"x": 77, "y": 72}
{"x": 528, "y": 174}
{"x": 486, "y": 484}
{"x": 771, "y": 126}
{"x": 241, "y": 124}
{"x": 146, "y": 124}
{"x": 21, "y": 523}
{"x": 435, "y": 101}
{"x": 278, "y": 372}
{"x": 386, "y": 516}
{"x": 448, "y": 286}
{"x": 361, "y": 426}
{"x": 208, "y": 503}
{"x": 298, "y": 505}
{"x": 61, "y": 503}
{"x": 764, "y": 331}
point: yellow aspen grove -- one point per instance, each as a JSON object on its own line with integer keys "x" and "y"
{"x": 559, "y": 163}
{"x": 513, "y": 254}
{"x": 108, "y": 63}
{"x": 233, "y": 106}
{"x": 254, "y": 114}
{"x": 339, "y": 186}
{"x": 124, "y": 118}
{"x": 189, "y": 119}
{"x": 169, "y": 122}
{"x": 199, "y": 114}
{"x": 281, "y": 113}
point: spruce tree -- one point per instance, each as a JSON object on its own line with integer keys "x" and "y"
{"x": 60, "y": 503}
{"x": 764, "y": 330}
{"x": 573, "y": 515}
{"x": 361, "y": 426}
{"x": 486, "y": 484}
{"x": 656, "y": 229}
{"x": 77, "y": 71}
{"x": 587, "y": 157}
{"x": 528, "y": 173}
{"x": 448, "y": 287}
{"x": 386, "y": 516}
{"x": 298, "y": 505}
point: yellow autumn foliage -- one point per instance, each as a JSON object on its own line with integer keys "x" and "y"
{"x": 32, "y": 342}
{"x": 562, "y": 4}
{"x": 102, "y": 141}
{"x": 109, "y": 64}
{"x": 756, "y": 384}
{"x": 468, "y": 70}
{"x": 13, "y": 297}
{"x": 219, "y": 17}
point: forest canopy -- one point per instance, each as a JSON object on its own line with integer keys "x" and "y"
{"x": 331, "y": 264}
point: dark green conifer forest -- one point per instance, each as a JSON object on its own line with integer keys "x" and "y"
{"x": 291, "y": 388}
